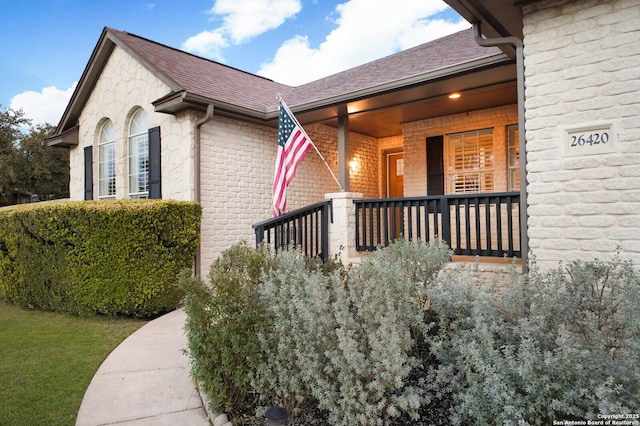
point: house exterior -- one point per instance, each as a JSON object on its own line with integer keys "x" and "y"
{"x": 389, "y": 130}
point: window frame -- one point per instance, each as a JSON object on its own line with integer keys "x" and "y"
{"x": 477, "y": 151}
{"x": 513, "y": 161}
{"x": 138, "y": 155}
{"x": 107, "y": 175}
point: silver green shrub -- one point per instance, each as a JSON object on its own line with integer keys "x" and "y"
{"x": 347, "y": 339}
{"x": 548, "y": 346}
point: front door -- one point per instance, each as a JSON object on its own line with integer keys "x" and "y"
{"x": 395, "y": 189}
{"x": 395, "y": 177}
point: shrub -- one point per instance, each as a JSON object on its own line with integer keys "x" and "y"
{"x": 106, "y": 257}
{"x": 223, "y": 321}
{"x": 556, "y": 345}
{"x": 346, "y": 339}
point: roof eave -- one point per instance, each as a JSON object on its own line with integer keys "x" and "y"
{"x": 67, "y": 139}
{"x": 498, "y": 18}
{"x": 176, "y": 102}
{"x": 422, "y": 78}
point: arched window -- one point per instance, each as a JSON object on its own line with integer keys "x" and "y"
{"x": 139, "y": 155}
{"x": 107, "y": 160}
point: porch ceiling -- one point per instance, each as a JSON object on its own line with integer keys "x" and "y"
{"x": 382, "y": 115}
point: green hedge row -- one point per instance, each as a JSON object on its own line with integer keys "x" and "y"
{"x": 116, "y": 257}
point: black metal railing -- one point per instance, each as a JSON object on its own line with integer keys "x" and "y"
{"x": 306, "y": 229}
{"x": 472, "y": 224}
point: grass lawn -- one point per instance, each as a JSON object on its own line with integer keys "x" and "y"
{"x": 47, "y": 361}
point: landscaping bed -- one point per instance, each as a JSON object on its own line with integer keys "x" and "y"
{"x": 400, "y": 339}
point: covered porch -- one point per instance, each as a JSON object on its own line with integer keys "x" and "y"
{"x": 430, "y": 154}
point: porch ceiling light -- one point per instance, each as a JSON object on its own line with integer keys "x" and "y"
{"x": 455, "y": 95}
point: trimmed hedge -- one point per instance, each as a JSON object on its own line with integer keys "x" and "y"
{"x": 98, "y": 257}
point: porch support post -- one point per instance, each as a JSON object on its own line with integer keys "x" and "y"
{"x": 342, "y": 230}
{"x": 343, "y": 147}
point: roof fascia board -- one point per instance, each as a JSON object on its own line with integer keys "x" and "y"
{"x": 176, "y": 102}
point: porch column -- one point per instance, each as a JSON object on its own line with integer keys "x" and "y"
{"x": 343, "y": 147}
{"x": 342, "y": 231}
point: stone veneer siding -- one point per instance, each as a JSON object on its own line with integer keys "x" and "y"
{"x": 124, "y": 86}
{"x": 582, "y": 65}
{"x": 417, "y": 132}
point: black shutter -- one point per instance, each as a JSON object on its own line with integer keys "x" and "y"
{"x": 88, "y": 173}
{"x": 155, "y": 176}
{"x": 435, "y": 166}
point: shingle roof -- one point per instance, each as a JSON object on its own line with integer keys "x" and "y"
{"x": 442, "y": 53}
{"x": 219, "y": 82}
{"x": 202, "y": 81}
{"x": 200, "y": 76}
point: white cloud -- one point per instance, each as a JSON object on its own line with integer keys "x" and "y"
{"x": 366, "y": 30}
{"x": 207, "y": 43}
{"x": 43, "y": 107}
{"x": 246, "y": 19}
{"x": 242, "y": 20}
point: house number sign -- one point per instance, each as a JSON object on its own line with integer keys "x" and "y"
{"x": 598, "y": 138}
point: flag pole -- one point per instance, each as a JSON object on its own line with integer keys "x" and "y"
{"x": 283, "y": 104}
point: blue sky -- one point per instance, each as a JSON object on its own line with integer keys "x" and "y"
{"x": 46, "y": 43}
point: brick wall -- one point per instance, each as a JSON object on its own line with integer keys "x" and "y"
{"x": 238, "y": 162}
{"x": 582, "y": 62}
{"x": 417, "y": 132}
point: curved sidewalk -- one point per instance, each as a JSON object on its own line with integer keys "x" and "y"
{"x": 145, "y": 380}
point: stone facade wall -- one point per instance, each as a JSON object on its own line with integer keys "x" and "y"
{"x": 582, "y": 70}
{"x": 417, "y": 132}
{"x": 124, "y": 86}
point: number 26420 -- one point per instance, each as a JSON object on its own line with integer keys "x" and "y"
{"x": 589, "y": 139}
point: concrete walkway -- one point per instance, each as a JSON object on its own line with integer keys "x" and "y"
{"x": 145, "y": 380}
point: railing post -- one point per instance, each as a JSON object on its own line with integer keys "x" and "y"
{"x": 342, "y": 232}
{"x": 446, "y": 220}
{"x": 324, "y": 236}
{"x": 259, "y": 235}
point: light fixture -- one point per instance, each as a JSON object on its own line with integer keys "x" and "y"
{"x": 455, "y": 95}
{"x": 354, "y": 165}
{"x": 277, "y": 416}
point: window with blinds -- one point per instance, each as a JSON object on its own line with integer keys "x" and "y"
{"x": 139, "y": 155}
{"x": 513, "y": 158}
{"x": 471, "y": 163}
{"x": 107, "y": 161}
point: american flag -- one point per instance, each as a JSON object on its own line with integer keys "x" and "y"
{"x": 293, "y": 144}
